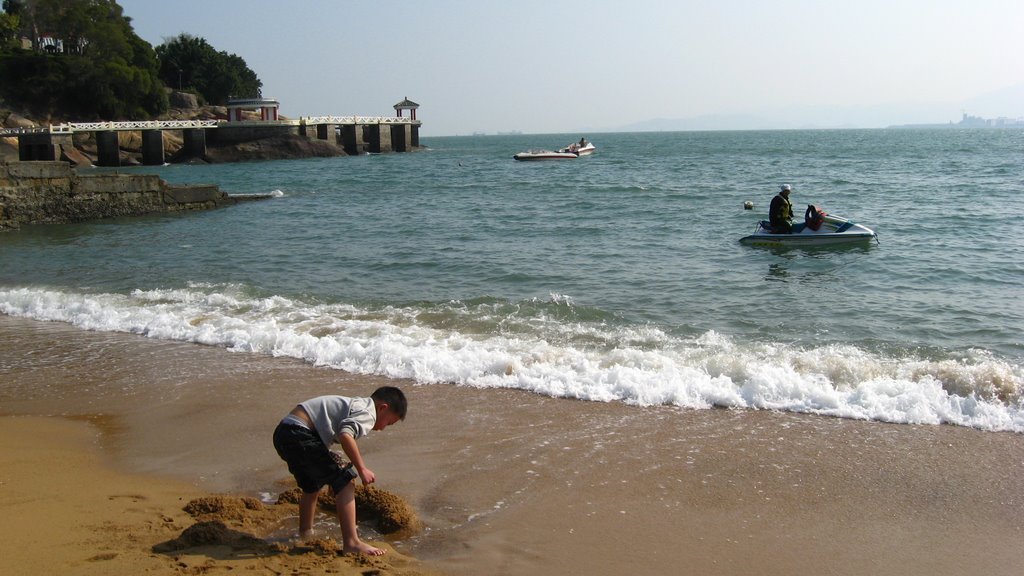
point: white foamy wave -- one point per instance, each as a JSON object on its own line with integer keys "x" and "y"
{"x": 640, "y": 365}
{"x": 276, "y": 194}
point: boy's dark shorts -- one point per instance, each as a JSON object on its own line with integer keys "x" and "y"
{"x": 308, "y": 459}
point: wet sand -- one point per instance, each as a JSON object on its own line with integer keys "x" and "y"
{"x": 508, "y": 482}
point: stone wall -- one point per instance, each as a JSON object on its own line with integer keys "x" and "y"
{"x": 53, "y": 193}
{"x": 238, "y": 133}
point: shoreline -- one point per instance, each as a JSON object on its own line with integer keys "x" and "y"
{"x": 510, "y": 482}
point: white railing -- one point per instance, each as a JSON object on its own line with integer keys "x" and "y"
{"x": 357, "y": 120}
{"x": 72, "y": 127}
{"x": 136, "y": 125}
{"x": 16, "y": 131}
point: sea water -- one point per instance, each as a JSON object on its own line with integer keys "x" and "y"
{"x": 614, "y": 277}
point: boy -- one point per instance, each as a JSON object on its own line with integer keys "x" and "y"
{"x": 302, "y": 439}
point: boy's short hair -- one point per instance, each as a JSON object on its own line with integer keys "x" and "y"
{"x": 393, "y": 397}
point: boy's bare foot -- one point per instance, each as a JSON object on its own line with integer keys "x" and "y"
{"x": 364, "y": 548}
{"x": 307, "y": 534}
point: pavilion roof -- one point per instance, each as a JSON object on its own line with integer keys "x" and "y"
{"x": 406, "y": 104}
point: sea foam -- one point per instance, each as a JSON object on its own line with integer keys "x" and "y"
{"x": 532, "y": 348}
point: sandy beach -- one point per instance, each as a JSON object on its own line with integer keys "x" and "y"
{"x": 106, "y": 437}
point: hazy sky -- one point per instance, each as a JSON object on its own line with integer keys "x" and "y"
{"x": 563, "y": 66}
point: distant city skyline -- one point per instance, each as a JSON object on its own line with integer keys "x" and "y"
{"x": 538, "y": 67}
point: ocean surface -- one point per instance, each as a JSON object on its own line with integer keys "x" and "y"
{"x": 616, "y": 277}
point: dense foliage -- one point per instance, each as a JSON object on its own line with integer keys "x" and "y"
{"x": 190, "y": 63}
{"x": 81, "y": 60}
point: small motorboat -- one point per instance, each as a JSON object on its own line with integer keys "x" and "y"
{"x": 581, "y": 148}
{"x": 574, "y": 150}
{"x": 818, "y": 228}
{"x": 538, "y": 154}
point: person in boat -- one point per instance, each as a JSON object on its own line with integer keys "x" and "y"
{"x": 780, "y": 214}
{"x": 583, "y": 142}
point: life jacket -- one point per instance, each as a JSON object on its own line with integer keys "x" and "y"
{"x": 814, "y": 217}
{"x": 780, "y": 210}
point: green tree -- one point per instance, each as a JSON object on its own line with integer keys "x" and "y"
{"x": 103, "y": 69}
{"x": 190, "y": 63}
{"x": 10, "y": 25}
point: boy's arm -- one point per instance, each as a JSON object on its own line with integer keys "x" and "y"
{"x": 351, "y": 449}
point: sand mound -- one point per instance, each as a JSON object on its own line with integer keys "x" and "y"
{"x": 390, "y": 512}
{"x": 385, "y": 511}
{"x": 325, "y": 500}
{"x": 222, "y": 506}
{"x": 235, "y": 511}
{"x": 213, "y": 533}
{"x": 220, "y": 521}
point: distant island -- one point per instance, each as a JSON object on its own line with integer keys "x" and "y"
{"x": 969, "y": 121}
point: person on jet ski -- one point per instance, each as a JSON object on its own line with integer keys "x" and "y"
{"x": 780, "y": 214}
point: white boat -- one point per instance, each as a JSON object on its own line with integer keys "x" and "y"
{"x": 584, "y": 149}
{"x": 818, "y": 228}
{"x": 574, "y": 150}
{"x": 538, "y": 154}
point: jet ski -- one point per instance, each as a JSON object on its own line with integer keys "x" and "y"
{"x": 818, "y": 228}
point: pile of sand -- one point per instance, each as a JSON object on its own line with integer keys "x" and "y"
{"x": 215, "y": 533}
{"x": 389, "y": 513}
{"x": 234, "y": 522}
{"x": 379, "y": 509}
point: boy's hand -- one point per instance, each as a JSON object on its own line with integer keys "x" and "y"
{"x": 367, "y": 476}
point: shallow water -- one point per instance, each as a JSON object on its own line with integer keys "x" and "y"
{"x": 613, "y": 277}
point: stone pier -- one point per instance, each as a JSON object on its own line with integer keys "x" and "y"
{"x": 41, "y": 146}
{"x": 51, "y": 192}
{"x": 194, "y": 142}
{"x": 108, "y": 151}
{"x": 152, "y": 147}
{"x": 349, "y": 141}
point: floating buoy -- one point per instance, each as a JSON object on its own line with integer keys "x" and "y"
{"x": 748, "y": 205}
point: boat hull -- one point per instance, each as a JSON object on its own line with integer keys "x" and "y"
{"x": 544, "y": 155}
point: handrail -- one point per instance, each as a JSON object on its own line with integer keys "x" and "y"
{"x": 140, "y": 125}
{"x": 357, "y": 120}
{"x": 72, "y": 127}
{"x": 16, "y": 131}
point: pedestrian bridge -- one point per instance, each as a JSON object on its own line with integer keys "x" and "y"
{"x": 355, "y": 134}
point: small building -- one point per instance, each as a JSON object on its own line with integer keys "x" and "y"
{"x": 406, "y": 104}
{"x": 267, "y": 107}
